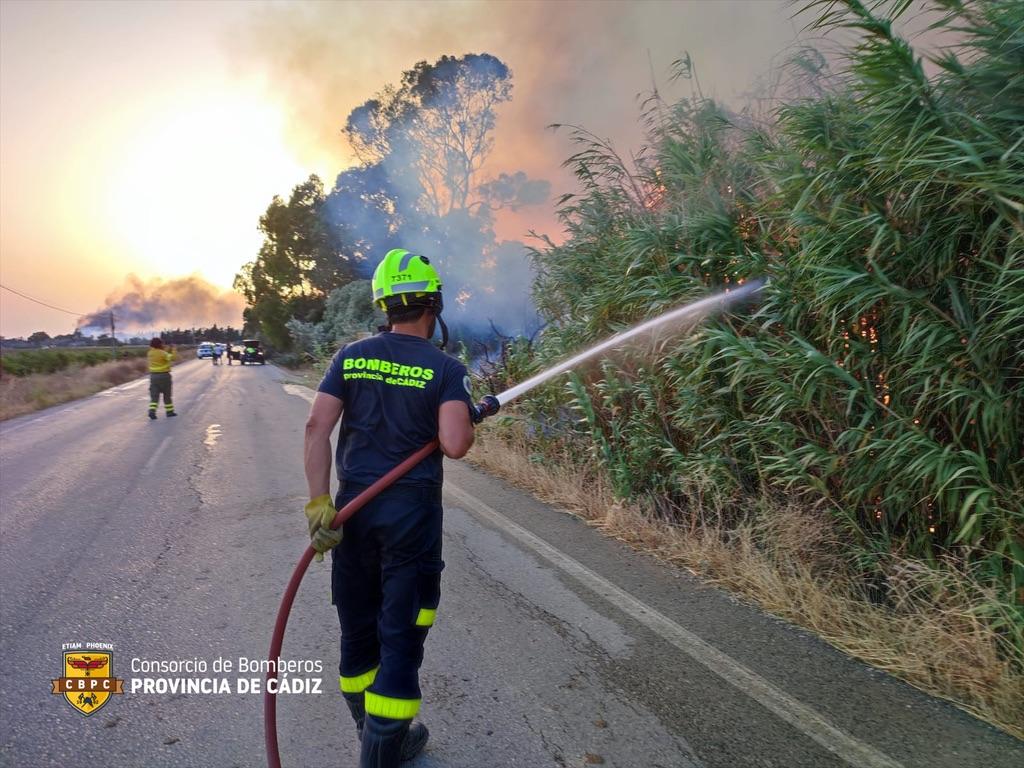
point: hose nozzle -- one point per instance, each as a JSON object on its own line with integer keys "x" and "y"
{"x": 488, "y": 406}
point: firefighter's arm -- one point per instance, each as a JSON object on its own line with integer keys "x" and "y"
{"x": 323, "y": 416}
{"x": 454, "y": 429}
{"x": 320, "y": 510}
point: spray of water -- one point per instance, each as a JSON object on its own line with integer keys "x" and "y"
{"x": 693, "y": 312}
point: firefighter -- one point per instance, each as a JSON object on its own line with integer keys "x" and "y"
{"x": 393, "y": 392}
{"x": 160, "y": 360}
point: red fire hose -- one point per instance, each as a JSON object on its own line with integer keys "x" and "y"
{"x": 270, "y": 699}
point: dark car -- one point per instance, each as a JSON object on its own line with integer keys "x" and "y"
{"x": 252, "y": 353}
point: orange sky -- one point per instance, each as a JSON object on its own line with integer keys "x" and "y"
{"x": 147, "y": 138}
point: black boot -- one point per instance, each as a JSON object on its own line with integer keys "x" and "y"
{"x": 382, "y": 742}
{"x": 415, "y": 738}
{"x": 358, "y": 710}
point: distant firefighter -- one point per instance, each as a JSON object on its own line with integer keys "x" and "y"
{"x": 160, "y": 360}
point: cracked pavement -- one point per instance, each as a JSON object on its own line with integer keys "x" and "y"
{"x": 174, "y": 540}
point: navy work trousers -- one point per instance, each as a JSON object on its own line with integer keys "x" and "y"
{"x": 386, "y": 584}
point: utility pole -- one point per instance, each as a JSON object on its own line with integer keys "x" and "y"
{"x": 113, "y": 339}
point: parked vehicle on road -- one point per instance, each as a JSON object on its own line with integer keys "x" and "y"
{"x": 204, "y": 350}
{"x": 252, "y": 352}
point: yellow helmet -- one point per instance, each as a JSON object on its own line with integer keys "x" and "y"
{"x": 403, "y": 275}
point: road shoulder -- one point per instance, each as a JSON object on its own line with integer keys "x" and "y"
{"x": 867, "y": 704}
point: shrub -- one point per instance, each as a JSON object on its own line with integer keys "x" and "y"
{"x": 882, "y": 375}
{"x": 28, "y": 361}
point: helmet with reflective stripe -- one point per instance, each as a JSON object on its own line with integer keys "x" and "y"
{"x": 404, "y": 277}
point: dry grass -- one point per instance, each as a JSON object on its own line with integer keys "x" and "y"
{"x": 929, "y": 635}
{"x": 25, "y": 394}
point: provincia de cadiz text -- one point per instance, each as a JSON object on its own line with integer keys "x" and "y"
{"x": 223, "y": 675}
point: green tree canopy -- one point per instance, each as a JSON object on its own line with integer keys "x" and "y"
{"x": 438, "y": 123}
{"x": 301, "y": 260}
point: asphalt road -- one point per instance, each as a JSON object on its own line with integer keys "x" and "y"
{"x": 173, "y": 540}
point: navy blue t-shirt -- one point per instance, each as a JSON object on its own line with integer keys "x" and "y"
{"x": 391, "y": 386}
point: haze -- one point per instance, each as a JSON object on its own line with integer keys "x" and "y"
{"x": 146, "y": 139}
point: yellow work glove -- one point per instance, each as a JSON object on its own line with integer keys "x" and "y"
{"x": 320, "y": 513}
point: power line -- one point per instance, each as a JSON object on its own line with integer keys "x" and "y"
{"x": 37, "y": 301}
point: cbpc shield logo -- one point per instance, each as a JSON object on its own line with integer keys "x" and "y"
{"x": 88, "y": 681}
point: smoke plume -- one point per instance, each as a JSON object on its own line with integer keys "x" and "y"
{"x": 184, "y": 302}
{"x": 572, "y": 62}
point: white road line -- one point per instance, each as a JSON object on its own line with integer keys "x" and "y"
{"x": 45, "y": 418}
{"x": 156, "y": 455}
{"x": 299, "y": 391}
{"x": 213, "y": 433}
{"x": 6, "y": 431}
{"x": 119, "y": 388}
{"x": 134, "y": 384}
{"x": 122, "y": 387}
{"x": 778, "y": 702}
